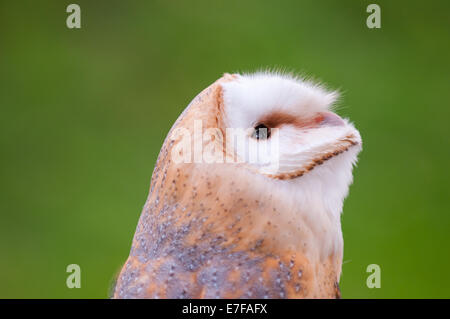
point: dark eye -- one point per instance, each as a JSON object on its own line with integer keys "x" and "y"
{"x": 261, "y": 132}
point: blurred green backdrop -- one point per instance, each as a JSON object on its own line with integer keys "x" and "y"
{"x": 84, "y": 113}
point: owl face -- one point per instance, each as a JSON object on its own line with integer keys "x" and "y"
{"x": 288, "y": 123}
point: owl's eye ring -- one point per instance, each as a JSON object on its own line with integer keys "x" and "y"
{"x": 261, "y": 132}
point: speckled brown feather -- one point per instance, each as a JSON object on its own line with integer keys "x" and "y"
{"x": 202, "y": 234}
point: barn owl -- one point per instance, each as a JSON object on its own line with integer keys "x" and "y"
{"x": 245, "y": 229}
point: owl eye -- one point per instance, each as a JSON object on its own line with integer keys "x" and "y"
{"x": 261, "y": 132}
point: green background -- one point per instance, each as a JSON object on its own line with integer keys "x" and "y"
{"x": 84, "y": 114}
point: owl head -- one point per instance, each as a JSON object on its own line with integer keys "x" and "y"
{"x": 276, "y": 126}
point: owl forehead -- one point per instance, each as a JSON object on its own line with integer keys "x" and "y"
{"x": 250, "y": 98}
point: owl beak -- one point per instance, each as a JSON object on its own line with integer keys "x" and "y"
{"x": 329, "y": 119}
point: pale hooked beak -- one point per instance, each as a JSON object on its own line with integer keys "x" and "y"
{"x": 331, "y": 119}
